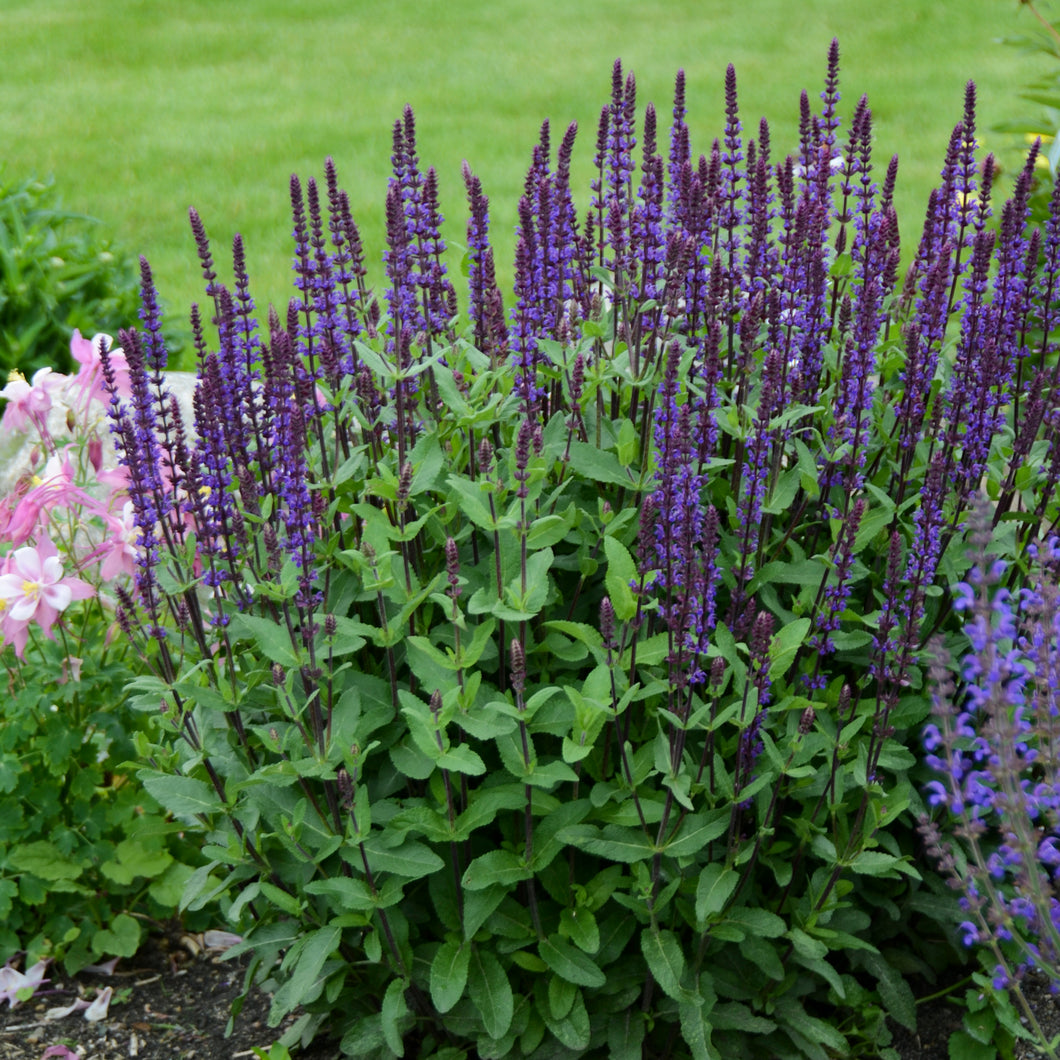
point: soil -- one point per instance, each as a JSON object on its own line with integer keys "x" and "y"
{"x": 172, "y": 1003}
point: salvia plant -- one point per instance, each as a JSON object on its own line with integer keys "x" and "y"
{"x": 994, "y": 746}
{"x": 544, "y": 686}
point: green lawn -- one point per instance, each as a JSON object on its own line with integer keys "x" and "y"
{"x": 141, "y": 108}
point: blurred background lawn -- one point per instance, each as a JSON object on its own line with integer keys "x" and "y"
{"x": 141, "y": 108}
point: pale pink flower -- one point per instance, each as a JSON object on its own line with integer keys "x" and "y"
{"x": 33, "y": 589}
{"x": 118, "y": 550}
{"x": 25, "y": 511}
{"x": 88, "y": 383}
{"x": 29, "y": 402}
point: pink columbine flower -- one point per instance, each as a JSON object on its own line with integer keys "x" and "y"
{"x": 33, "y": 589}
{"x": 88, "y": 383}
{"x": 29, "y": 402}
{"x": 118, "y": 549}
{"x": 25, "y": 511}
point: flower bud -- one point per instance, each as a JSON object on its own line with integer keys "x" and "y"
{"x": 518, "y": 662}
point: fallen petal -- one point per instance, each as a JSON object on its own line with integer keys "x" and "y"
{"x": 59, "y": 1013}
{"x": 221, "y": 940}
{"x": 61, "y": 1052}
{"x": 98, "y": 1009}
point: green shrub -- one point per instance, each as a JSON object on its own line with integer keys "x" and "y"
{"x": 56, "y": 274}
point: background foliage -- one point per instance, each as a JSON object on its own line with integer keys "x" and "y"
{"x": 215, "y": 106}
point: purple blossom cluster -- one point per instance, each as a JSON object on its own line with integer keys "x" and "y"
{"x": 728, "y": 319}
{"x": 994, "y": 744}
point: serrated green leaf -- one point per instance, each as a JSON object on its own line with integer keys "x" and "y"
{"x": 411, "y": 859}
{"x": 393, "y": 1013}
{"x": 895, "y": 992}
{"x": 570, "y": 963}
{"x": 317, "y": 947}
{"x": 349, "y": 894}
{"x": 625, "y": 1035}
{"x": 490, "y": 992}
{"x": 716, "y": 884}
{"x": 695, "y": 1031}
{"x": 757, "y": 921}
{"x": 615, "y": 843}
{"x": 449, "y": 974}
{"x": 736, "y": 1017}
{"x": 495, "y": 868}
{"x": 963, "y": 1046}
{"x": 180, "y": 796}
{"x": 665, "y": 960}
{"x": 697, "y": 831}
{"x": 272, "y": 639}
{"x": 461, "y": 759}
{"x": 784, "y": 645}
{"x": 791, "y": 1014}
{"x": 621, "y": 571}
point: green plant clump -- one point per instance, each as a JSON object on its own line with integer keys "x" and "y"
{"x": 549, "y": 688}
{"x": 56, "y": 275}
{"x": 87, "y": 857}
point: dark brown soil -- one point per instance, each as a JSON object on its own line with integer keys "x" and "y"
{"x": 172, "y": 1003}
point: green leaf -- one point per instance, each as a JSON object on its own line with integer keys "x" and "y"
{"x": 120, "y": 939}
{"x": 599, "y": 466}
{"x": 791, "y": 1014}
{"x": 665, "y": 960}
{"x": 411, "y": 859}
{"x": 895, "y": 992}
{"x": 732, "y": 1016}
{"x": 621, "y": 570}
{"x": 963, "y": 1046}
{"x": 449, "y": 974}
{"x": 273, "y": 640}
{"x": 495, "y": 867}
{"x": 483, "y": 807}
{"x": 695, "y": 1030}
{"x": 348, "y": 894}
{"x": 133, "y": 859}
{"x": 550, "y": 529}
{"x": 180, "y": 796}
{"x": 579, "y": 925}
{"x": 876, "y": 863}
{"x": 561, "y": 995}
{"x": 44, "y": 860}
{"x": 716, "y": 884}
{"x": 614, "y": 842}
{"x": 302, "y": 986}
{"x": 573, "y": 1031}
{"x": 461, "y": 759}
{"x": 697, "y": 831}
{"x": 570, "y": 963}
{"x": 490, "y": 992}
{"x": 479, "y": 905}
{"x": 784, "y": 646}
{"x": 625, "y": 1035}
{"x": 759, "y": 922}
{"x": 393, "y": 1014}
